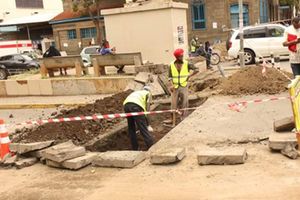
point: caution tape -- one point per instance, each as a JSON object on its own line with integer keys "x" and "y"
{"x": 237, "y": 106}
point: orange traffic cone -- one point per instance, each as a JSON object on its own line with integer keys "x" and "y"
{"x": 4, "y": 139}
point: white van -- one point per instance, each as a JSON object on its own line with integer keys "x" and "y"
{"x": 260, "y": 41}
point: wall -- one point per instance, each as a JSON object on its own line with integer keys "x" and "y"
{"x": 65, "y": 86}
{"x": 151, "y": 30}
{"x": 61, "y": 36}
{"x": 50, "y": 6}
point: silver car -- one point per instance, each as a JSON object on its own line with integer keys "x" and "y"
{"x": 85, "y": 54}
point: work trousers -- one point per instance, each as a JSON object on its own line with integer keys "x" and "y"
{"x": 180, "y": 99}
{"x": 142, "y": 125}
{"x": 296, "y": 69}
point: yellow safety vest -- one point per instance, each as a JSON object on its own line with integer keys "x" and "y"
{"x": 193, "y": 49}
{"x": 139, "y": 98}
{"x": 180, "y": 79}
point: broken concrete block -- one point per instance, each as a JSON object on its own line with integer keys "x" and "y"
{"x": 80, "y": 162}
{"x": 143, "y": 77}
{"x": 156, "y": 89}
{"x": 121, "y": 159}
{"x": 285, "y": 124}
{"x": 51, "y": 163}
{"x": 10, "y": 161}
{"x": 290, "y": 151}
{"x": 22, "y": 148}
{"x": 279, "y": 141}
{"x": 167, "y": 156}
{"x": 62, "y": 152}
{"x": 133, "y": 85}
{"x": 222, "y": 156}
{"x": 26, "y": 162}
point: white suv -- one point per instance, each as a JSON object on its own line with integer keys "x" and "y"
{"x": 260, "y": 41}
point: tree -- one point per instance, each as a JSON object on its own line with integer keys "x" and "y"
{"x": 93, "y": 9}
{"x": 292, "y": 3}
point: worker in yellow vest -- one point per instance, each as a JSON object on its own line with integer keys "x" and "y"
{"x": 179, "y": 75}
{"x": 139, "y": 101}
{"x": 194, "y": 44}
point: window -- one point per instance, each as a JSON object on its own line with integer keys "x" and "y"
{"x": 234, "y": 14}
{"x": 264, "y": 7}
{"x": 72, "y": 34}
{"x": 254, "y": 33}
{"x": 198, "y": 15}
{"x": 275, "y": 32}
{"x": 88, "y": 32}
{"x": 6, "y": 58}
{"x": 29, "y": 4}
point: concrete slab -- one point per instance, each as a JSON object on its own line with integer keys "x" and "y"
{"x": 80, "y": 162}
{"x": 156, "y": 88}
{"x": 9, "y": 161}
{"x": 279, "y": 141}
{"x": 34, "y": 87}
{"x": 167, "y": 156}
{"x": 2, "y": 89}
{"x": 26, "y": 162}
{"x": 22, "y": 148}
{"x": 62, "y": 152}
{"x": 222, "y": 156}
{"x": 120, "y": 159}
{"x": 133, "y": 85}
{"x": 54, "y": 164}
{"x": 285, "y": 124}
{"x": 143, "y": 77}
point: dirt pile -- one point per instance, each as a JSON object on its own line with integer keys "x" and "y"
{"x": 79, "y": 132}
{"x": 250, "y": 81}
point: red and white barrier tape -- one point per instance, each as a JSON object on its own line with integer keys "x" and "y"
{"x": 237, "y": 106}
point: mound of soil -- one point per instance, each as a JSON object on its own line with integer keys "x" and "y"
{"x": 79, "y": 132}
{"x": 250, "y": 80}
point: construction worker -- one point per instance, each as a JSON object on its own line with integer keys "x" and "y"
{"x": 179, "y": 74}
{"x": 194, "y": 44}
{"x": 139, "y": 101}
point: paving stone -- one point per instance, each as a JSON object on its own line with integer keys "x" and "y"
{"x": 167, "y": 156}
{"x": 26, "y": 162}
{"x": 222, "y": 156}
{"x": 285, "y": 124}
{"x": 80, "y": 162}
{"x": 279, "y": 141}
{"x": 22, "y": 148}
{"x": 156, "y": 89}
{"x": 143, "y": 77}
{"x": 121, "y": 159}
{"x": 62, "y": 152}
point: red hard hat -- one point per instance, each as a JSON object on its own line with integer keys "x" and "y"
{"x": 178, "y": 52}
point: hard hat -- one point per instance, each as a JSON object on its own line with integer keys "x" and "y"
{"x": 147, "y": 88}
{"x": 178, "y": 52}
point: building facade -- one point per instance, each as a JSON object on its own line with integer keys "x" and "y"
{"x": 12, "y": 9}
{"x": 74, "y": 30}
{"x": 211, "y": 20}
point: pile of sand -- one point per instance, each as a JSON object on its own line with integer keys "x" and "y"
{"x": 250, "y": 80}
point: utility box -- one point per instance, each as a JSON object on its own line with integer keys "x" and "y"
{"x": 155, "y": 29}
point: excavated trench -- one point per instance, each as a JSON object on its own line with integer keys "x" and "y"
{"x": 97, "y": 135}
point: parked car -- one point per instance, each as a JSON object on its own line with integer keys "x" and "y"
{"x": 260, "y": 41}
{"x": 16, "y": 64}
{"x": 85, "y": 54}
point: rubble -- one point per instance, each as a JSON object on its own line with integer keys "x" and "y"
{"x": 222, "y": 156}
{"x": 290, "y": 151}
{"x": 26, "y": 162}
{"x": 63, "y": 151}
{"x": 120, "y": 159}
{"x": 279, "y": 141}
{"x": 167, "y": 156}
{"x": 285, "y": 124}
{"x": 80, "y": 162}
{"x": 22, "y": 148}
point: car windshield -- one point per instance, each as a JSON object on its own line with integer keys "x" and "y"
{"x": 27, "y": 58}
{"x": 91, "y": 50}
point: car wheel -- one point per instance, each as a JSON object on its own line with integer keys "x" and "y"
{"x": 249, "y": 57}
{"x": 3, "y": 74}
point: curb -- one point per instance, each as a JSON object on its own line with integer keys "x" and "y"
{"x": 39, "y": 105}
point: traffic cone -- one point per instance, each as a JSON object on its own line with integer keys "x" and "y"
{"x": 4, "y": 140}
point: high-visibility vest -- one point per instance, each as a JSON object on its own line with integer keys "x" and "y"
{"x": 193, "y": 48}
{"x": 139, "y": 98}
{"x": 180, "y": 78}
